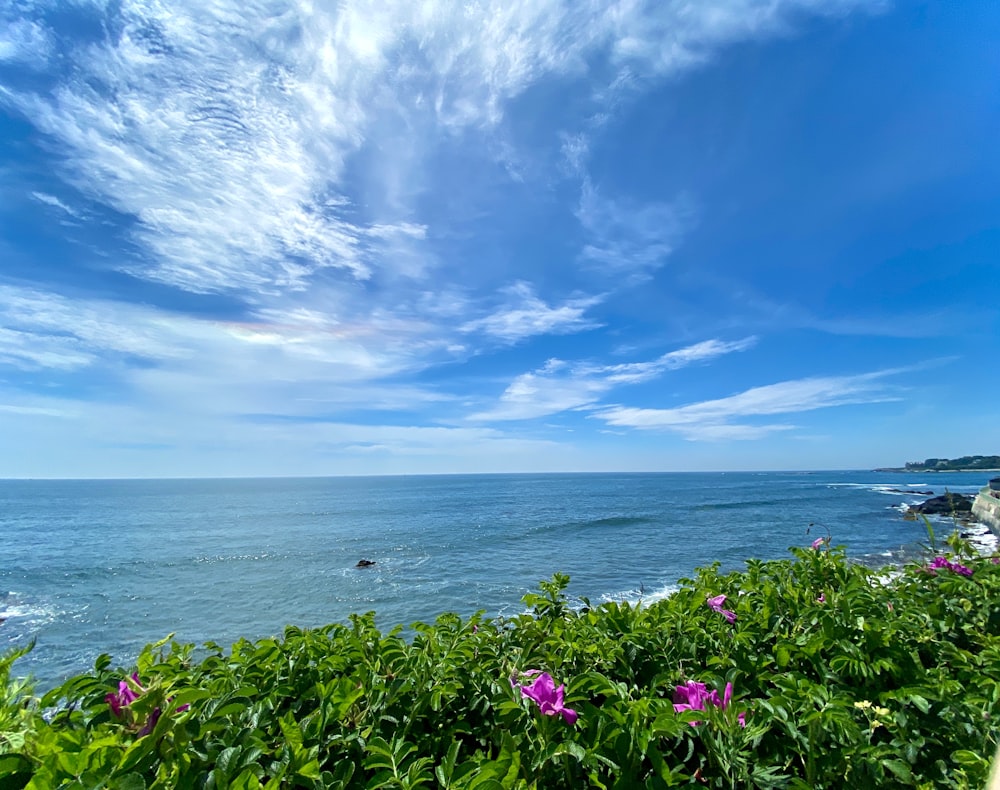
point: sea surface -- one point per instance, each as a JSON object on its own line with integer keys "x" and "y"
{"x": 95, "y": 566}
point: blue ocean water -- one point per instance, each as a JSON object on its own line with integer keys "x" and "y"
{"x": 107, "y": 566}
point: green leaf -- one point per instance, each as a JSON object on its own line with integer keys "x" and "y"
{"x": 899, "y": 769}
{"x": 920, "y": 703}
{"x": 131, "y": 782}
{"x": 245, "y": 781}
{"x": 310, "y": 770}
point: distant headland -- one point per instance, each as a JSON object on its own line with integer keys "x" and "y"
{"x": 967, "y": 463}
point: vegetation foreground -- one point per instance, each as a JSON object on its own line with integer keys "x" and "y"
{"x": 811, "y": 672}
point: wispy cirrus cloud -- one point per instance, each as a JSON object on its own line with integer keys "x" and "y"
{"x": 626, "y": 237}
{"x": 525, "y": 315}
{"x": 718, "y": 418}
{"x": 25, "y": 42}
{"x": 52, "y": 200}
{"x": 292, "y": 160}
{"x": 227, "y": 130}
{"x": 561, "y": 386}
{"x": 297, "y": 362}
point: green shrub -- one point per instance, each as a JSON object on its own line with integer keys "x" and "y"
{"x": 842, "y": 676}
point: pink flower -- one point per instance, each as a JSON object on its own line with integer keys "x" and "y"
{"x": 694, "y": 696}
{"x": 818, "y": 542}
{"x": 150, "y": 722}
{"x": 940, "y": 562}
{"x": 716, "y": 605}
{"x": 544, "y": 693}
{"x": 822, "y": 598}
{"x": 125, "y": 696}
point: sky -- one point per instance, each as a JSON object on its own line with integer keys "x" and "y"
{"x": 299, "y": 237}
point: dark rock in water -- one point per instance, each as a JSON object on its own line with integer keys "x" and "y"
{"x": 909, "y": 491}
{"x": 945, "y": 505}
{"x": 369, "y": 563}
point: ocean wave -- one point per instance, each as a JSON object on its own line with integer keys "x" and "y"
{"x": 15, "y": 608}
{"x": 641, "y": 597}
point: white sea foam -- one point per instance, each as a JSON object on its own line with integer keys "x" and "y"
{"x": 14, "y": 608}
{"x": 892, "y": 489}
{"x": 981, "y": 537}
{"x": 641, "y": 597}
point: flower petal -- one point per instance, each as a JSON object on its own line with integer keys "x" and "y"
{"x": 570, "y": 715}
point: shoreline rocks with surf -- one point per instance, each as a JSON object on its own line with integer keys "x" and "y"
{"x": 943, "y": 505}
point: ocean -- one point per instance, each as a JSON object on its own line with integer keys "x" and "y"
{"x": 107, "y": 566}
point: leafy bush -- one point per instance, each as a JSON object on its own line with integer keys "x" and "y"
{"x": 810, "y": 672}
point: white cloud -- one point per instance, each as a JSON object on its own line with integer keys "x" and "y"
{"x": 627, "y": 237}
{"x": 278, "y": 151}
{"x": 713, "y": 419}
{"x": 561, "y": 386}
{"x": 526, "y": 315}
{"x": 52, "y": 200}
{"x": 47, "y": 330}
{"x": 226, "y": 129}
{"x": 636, "y": 372}
{"x": 575, "y": 149}
{"x": 26, "y": 43}
{"x": 199, "y": 366}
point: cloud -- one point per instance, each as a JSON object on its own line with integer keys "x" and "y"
{"x": 40, "y": 329}
{"x": 52, "y": 200}
{"x": 713, "y": 419}
{"x": 227, "y": 131}
{"x": 526, "y": 315}
{"x": 26, "y": 43}
{"x": 629, "y": 237}
{"x": 300, "y": 362}
{"x": 636, "y": 372}
{"x": 560, "y": 386}
{"x": 287, "y": 155}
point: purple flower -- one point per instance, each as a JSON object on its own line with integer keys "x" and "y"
{"x": 125, "y": 696}
{"x": 150, "y": 722}
{"x": 716, "y": 605}
{"x": 822, "y": 598}
{"x": 940, "y": 562}
{"x": 545, "y": 694}
{"x": 694, "y": 696}
{"x": 818, "y": 542}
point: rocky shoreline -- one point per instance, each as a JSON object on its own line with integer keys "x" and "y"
{"x": 944, "y": 505}
{"x": 961, "y": 509}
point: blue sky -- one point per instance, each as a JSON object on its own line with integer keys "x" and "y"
{"x": 293, "y": 238}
